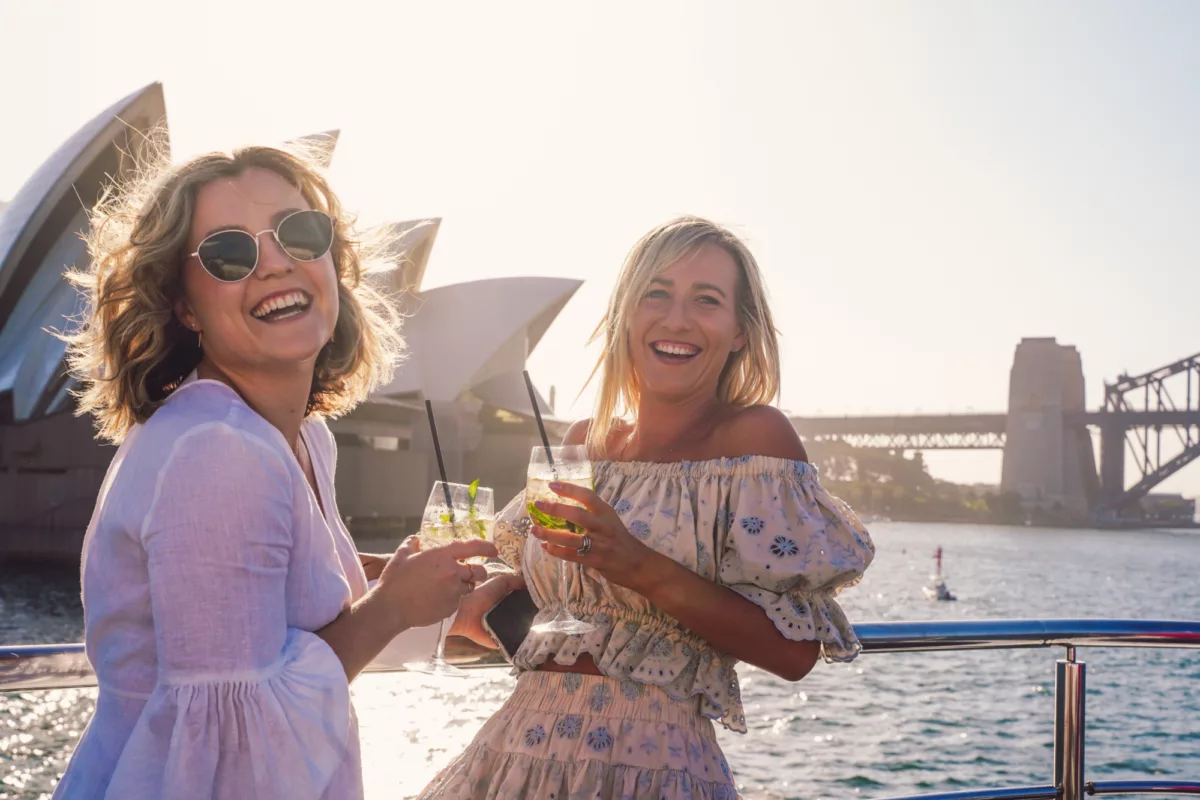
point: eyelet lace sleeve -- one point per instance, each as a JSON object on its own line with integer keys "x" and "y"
{"x": 512, "y": 531}
{"x": 791, "y": 547}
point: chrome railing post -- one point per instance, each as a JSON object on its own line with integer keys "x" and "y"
{"x": 1070, "y": 689}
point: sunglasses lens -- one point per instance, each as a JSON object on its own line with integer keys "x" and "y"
{"x": 306, "y": 235}
{"x": 229, "y": 255}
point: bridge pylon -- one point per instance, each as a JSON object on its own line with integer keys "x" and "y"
{"x": 1048, "y": 456}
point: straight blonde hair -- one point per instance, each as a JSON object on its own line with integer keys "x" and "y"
{"x": 750, "y": 376}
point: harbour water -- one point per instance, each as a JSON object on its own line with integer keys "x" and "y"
{"x": 882, "y": 726}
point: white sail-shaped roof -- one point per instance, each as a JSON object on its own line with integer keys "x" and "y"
{"x": 30, "y": 357}
{"x": 468, "y": 337}
{"x": 40, "y": 240}
{"x": 476, "y": 336}
{"x": 320, "y": 145}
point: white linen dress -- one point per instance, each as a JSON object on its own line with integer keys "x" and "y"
{"x": 207, "y": 565}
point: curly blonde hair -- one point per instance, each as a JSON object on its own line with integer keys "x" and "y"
{"x": 750, "y": 377}
{"x": 130, "y": 352}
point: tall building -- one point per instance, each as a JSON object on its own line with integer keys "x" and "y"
{"x": 468, "y": 343}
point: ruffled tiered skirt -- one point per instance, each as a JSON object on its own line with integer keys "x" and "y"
{"x": 562, "y": 736}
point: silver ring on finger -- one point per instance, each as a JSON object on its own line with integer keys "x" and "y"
{"x": 585, "y": 547}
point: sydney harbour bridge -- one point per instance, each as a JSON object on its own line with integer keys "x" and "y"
{"x": 1148, "y": 429}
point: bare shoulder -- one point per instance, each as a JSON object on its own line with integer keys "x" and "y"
{"x": 578, "y": 432}
{"x": 764, "y": 431}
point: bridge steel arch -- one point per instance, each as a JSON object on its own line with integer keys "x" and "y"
{"x": 1169, "y": 399}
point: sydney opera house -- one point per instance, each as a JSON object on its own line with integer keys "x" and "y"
{"x": 51, "y": 466}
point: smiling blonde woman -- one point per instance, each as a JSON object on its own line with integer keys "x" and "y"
{"x": 708, "y": 540}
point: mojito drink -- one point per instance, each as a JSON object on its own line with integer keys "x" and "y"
{"x": 441, "y": 527}
{"x": 538, "y": 488}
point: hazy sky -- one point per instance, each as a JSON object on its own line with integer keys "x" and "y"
{"x": 923, "y": 183}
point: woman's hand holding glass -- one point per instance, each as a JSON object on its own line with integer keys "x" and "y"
{"x": 613, "y": 551}
{"x": 426, "y": 586}
{"x": 557, "y": 465}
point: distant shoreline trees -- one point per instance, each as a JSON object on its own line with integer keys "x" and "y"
{"x": 899, "y": 487}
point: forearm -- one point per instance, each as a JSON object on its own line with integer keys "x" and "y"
{"x": 724, "y": 619}
{"x": 361, "y": 632}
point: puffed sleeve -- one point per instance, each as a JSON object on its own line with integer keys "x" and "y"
{"x": 244, "y": 706}
{"x": 512, "y": 531}
{"x": 791, "y": 547}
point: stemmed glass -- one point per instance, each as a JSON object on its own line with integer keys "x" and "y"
{"x": 454, "y": 512}
{"x": 566, "y": 464}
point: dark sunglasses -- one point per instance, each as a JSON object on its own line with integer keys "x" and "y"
{"x": 231, "y": 256}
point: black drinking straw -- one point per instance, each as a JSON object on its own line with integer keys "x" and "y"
{"x": 537, "y": 413}
{"x": 437, "y": 448}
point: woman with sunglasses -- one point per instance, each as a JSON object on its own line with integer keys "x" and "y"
{"x": 226, "y": 608}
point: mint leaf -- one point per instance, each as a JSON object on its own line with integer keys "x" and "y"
{"x": 545, "y": 520}
{"x": 472, "y": 490}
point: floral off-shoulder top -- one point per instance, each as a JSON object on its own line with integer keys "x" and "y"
{"x": 764, "y": 527}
